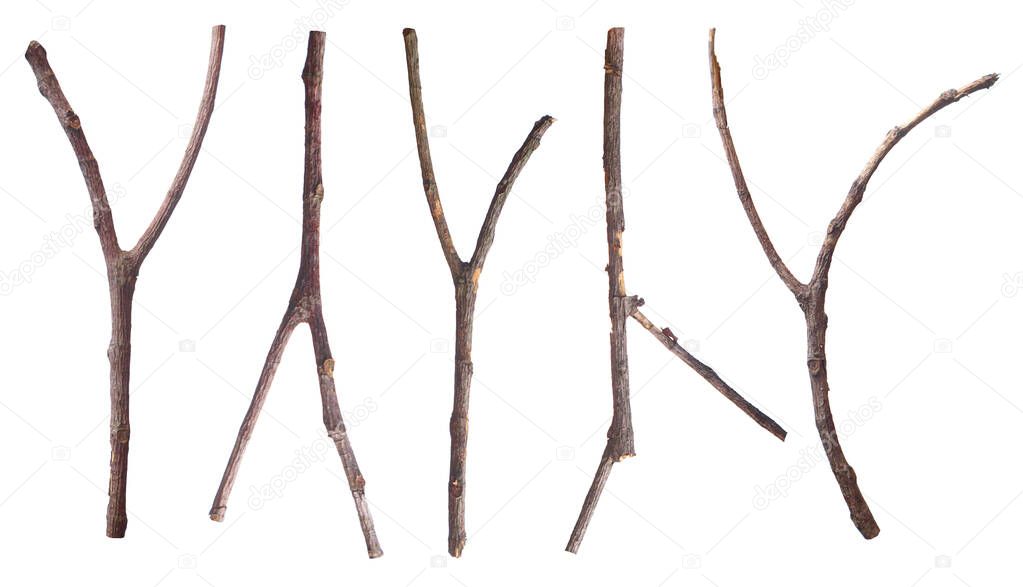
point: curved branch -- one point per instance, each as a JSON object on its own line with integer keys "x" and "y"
{"x": 811, "y": 297}
{"x": 202, "y": 122}
{"x": 859, "y": 186}
{"x": 415, "y": 90}
{"x": 487, "y": 230}
{"x": 721, "y": 118}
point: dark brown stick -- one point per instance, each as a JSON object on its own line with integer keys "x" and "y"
{"x": 123, "y": 266}
{"x": 306, "y": 306}
{"x": 620, "y": 439}
{"x": 465, "y": 276}
{"x": 810, "y": 296}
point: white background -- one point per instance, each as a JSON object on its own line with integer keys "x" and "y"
{"x": 925, "y": 318}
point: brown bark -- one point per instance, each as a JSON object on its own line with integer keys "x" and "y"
{"x": 810, "y": 296}
{"x": 306, "y": 306}
{"x": 465, "y": 276}
{"x": 123, "y": 266}
{"x": 670, "y": 342}
{"x": 620, "y": 438}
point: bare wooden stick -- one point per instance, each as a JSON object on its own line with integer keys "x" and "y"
{"x": 670, "y": 342}
{"x": 465, "y": 276}
{"x": 123, "y": 266}
{"x": 620, "y": 438}
{"x": 306, "y": 306}
{"x": 810, "y": 296}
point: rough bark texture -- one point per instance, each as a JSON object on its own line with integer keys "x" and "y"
{"x": 306, "y": 306}
{"x": 465, "y": 276}
{"x": 123, "y": 266}
{"x": 620, "y": 438}
{"x": 810, "y": 296}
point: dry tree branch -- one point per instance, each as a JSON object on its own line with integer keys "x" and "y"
{"x": 306, "y": 306}
{"x": 670, "y": 342}
{"x": 123, "y": 266}
{"x": 620, "y": 441}
{"x": 810, "y": 296}
{"x": 465, "y": 275}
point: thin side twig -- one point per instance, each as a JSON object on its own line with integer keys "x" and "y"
{"x": 123, "y": 265}
{"x": 810, "y": 296}
{"x": 620, "y": 437}
{"x": 670, "y": 342}
{"x": 465, "y": 276}
{"x": 306, "y": 306}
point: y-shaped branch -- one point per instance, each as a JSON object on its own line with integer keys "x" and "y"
{"x": 620, "y": 442}
{"x": 810, "y": 296}
{"x": 123, "y": 266}
{"x": 465, "y": 275}
{"x": 306, "y": 306}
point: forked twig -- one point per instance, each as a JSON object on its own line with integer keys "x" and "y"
{"x": 465, "y": 276}
{"x": 123, "y": 266}
{"x": 810, "y": 296}
{"x": 306, "y": 306}
{"x": 620, "y": 440}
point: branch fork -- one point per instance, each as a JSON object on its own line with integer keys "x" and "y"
{"x": 305, "y": 306}
{"x": 622, "y": 306}
{"x": 123, "y": 265}
{"x": 465, "y": 277}
{"x": 811, "y": 295}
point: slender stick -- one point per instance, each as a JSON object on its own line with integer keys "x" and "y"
{"x": 465, "y": 276}
{"x": 620, "y": 438}
{"x": 415, "y": 89}
{"x": 306, "y": 306}
{"x": 859, "y": 186}
{"x": 670, "y": 342}
{"x": 721, "y": 118}
{"x": 811, "y": 296}
{"x": 123, "y": 266}
{"x": 607, "y": 460}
